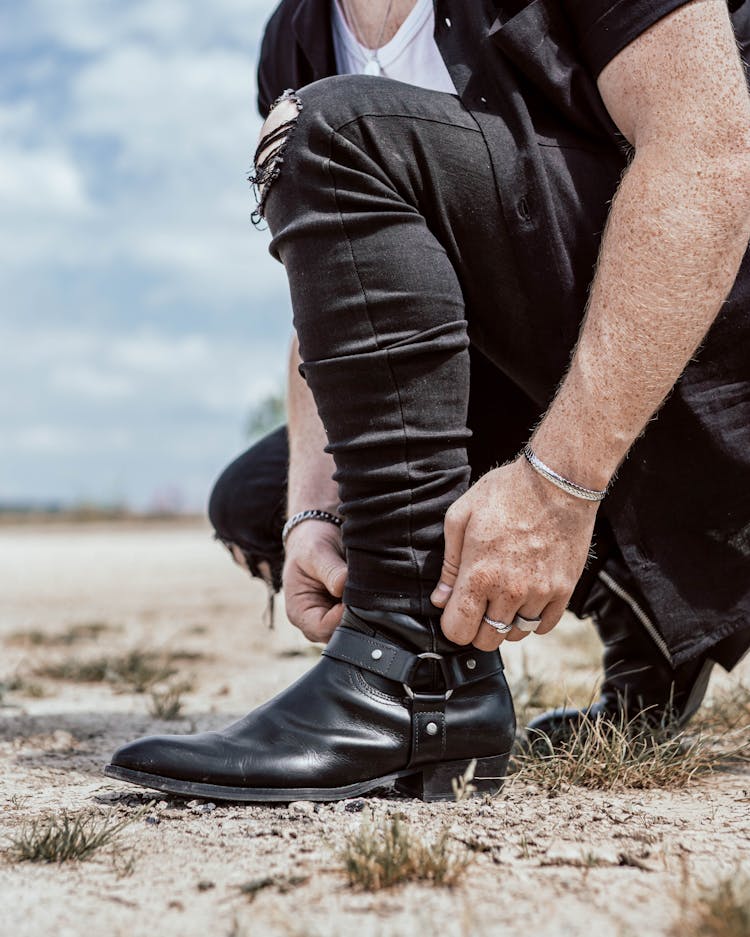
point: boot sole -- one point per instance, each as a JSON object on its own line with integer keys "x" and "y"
{"x": 429, "y": 783}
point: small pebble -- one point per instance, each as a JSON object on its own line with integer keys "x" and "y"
{"x": 153, "y": 820}
{"x": 205, "y": 885}
{"x": 354, "y": 806}
{"x": 205, "y": 808}
{"x": 304, "y": 807}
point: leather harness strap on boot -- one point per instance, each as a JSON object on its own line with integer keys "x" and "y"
{"x": 388, "y": 660}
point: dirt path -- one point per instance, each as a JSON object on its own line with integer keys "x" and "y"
{"x": 578, "y": 862}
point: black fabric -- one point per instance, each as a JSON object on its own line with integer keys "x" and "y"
{"x": 680, "y": 509}
{"x": 603, "y": 28}
{"x": 393, "y": 272}
{"x": 248, "y": 502}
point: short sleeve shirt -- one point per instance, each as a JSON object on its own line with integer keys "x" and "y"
{"x": 603, "y": 28}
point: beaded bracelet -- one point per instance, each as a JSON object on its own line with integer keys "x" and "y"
{"x": 311, "y": 514}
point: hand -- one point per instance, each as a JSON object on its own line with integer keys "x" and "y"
{"x": 314, "y": 576}
{"x": 514, "y": 544}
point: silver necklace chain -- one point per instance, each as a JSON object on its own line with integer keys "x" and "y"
{"x": 372, "y": 64}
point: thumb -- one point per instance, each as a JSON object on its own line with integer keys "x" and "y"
{"x": 454, "y": 528}
{"x": 331, "y": 570}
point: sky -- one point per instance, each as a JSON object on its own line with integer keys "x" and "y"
{"x": 141, "y": 315}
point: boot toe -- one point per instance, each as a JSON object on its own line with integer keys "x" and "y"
{"x": 170, "y": 756}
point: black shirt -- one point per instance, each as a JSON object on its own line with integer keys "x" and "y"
{"x": 680, "y": 508}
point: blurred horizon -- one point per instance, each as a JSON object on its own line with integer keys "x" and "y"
{"x": 142, "y": 317}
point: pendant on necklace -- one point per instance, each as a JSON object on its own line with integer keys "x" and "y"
{"x": 372, "y": 67}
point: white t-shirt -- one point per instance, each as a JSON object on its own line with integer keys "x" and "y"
{"x": 411, "y": 55}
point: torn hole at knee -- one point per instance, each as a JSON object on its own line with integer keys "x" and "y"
{"x": 274, "y": 137}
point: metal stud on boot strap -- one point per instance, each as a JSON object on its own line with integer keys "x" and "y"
{"x": 428, "y": 728}
{"x": 381, "y": 657}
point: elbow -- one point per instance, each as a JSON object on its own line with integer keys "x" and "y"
{"x": 715, "y": 167}
{"x": 729, "y": 170}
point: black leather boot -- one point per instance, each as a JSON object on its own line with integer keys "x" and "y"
{"x": 639, "y": 681}
{"x": 391, "y": 702}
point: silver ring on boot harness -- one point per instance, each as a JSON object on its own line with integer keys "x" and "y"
{"x": 427, "y": 655}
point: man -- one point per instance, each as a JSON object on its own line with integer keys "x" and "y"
{"x": 413, "y": 223}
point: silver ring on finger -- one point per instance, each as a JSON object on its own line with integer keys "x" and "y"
{"x": 499, "y": 626}
{"x": 527, "y": 625}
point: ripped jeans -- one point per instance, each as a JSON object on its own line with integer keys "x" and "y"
{"x": 384, "y": 209}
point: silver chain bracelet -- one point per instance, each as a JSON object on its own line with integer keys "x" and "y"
{"x": 578, "y": 491}
{"x": 311, "y": 514}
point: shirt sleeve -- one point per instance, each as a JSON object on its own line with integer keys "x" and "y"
{"x": 603, "y": 27}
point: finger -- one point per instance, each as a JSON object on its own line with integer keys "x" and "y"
{"x": 318, "y": 622}
{"x": 516, "y": 635}
{"x": 462, "y": 615}
{"x": 527, "y": 620}
{"x": 513, "y": 635}
{"x": 487, "y": 638}
{"x": 454, "y": 528}
{"x": 332, "y": 619}
{"x": 330, "y": 569}
{"x": 504, "y": 609}
{"x": 552, "y": 615}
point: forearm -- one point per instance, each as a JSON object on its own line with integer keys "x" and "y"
{"x": 310, "y": 468}
{"x": 674, "y": 241}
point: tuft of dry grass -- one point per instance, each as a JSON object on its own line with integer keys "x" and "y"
{"x": 62, "y": 837}
{"x": 616, "y": 755}
{"x": 75, "y": 634}
{"x": 167, "y": 703}
{"x": 76, "y": 671}
{"x": 720, "y": 909}
{"x": 136, "y": 671}
{"x": 282, "y": 883}
{"x": 21, "y": 686}
{"x": 463, "y": 786}
{"x": 377, "y": 858}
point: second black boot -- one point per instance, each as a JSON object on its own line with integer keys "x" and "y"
{"x": 391, "y": 702}
{"x": 639, "y": 682}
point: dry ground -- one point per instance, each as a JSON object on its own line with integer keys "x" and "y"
{"x": 567, "y": 863}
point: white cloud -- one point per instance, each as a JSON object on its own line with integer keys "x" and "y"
{"x": 41, "y": 182}
{"x": 142, "y": 313}
{"x": 87, "y": 382}
{"x": 96, "y": 26}
{"x": 50, "y": 440}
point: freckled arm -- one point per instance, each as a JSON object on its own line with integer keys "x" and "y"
{"x": 677, "y": 231}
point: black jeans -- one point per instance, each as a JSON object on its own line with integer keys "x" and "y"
{"x": 385, "y": 215}
{"x": 248, "y": 501}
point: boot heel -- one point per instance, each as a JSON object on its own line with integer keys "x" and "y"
{"x": 730, "y": 651}
{"x": 434, "y": 782}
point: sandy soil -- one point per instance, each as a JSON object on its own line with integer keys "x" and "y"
{"x": 579, "y": 862}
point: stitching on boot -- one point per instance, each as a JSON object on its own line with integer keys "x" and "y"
{"x": 269, "y": 155}
{"x": 357, "y": 680}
